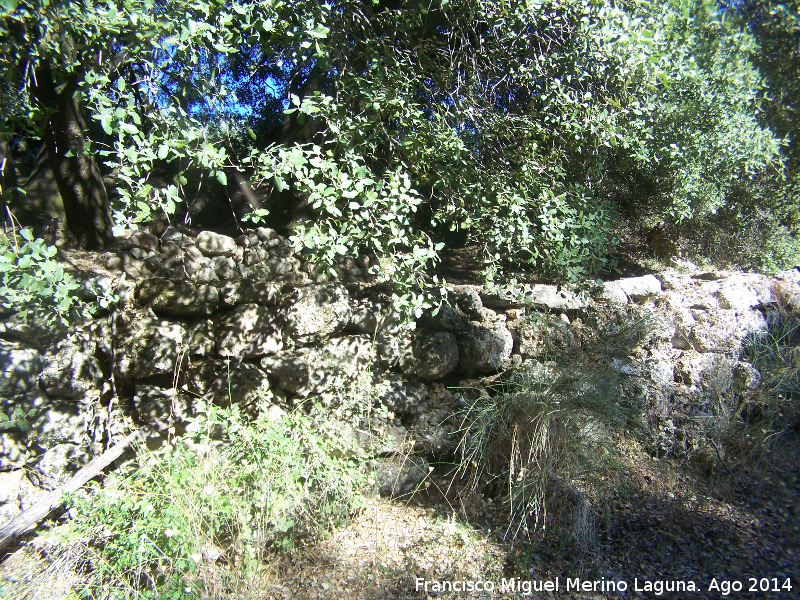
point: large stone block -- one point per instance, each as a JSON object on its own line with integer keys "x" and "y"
{"x": 318, "y": 312}
{"x": 72, "y": 369}
{"x": 308, "y": 371}
{"x": 248, "y": 331}
{"x": 20, "y": 367}
{"x": 641, "y": 289}
{"x": 178, "y": 299}
{"x": 551, "y": 297}
{"x": 430, "y": 355}
{"x": 216, "y": 244}
{"x": 486, "y": 348}
{"x": 150, "y": 347}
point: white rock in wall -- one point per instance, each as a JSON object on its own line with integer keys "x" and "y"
{"x": 613, "y": 293}
{"x": 551, "y": 297}
{"x": 734, "y": 293}
{"x": 641, "y": 289}
{"x": 318, "y": 312}
{"x": 216, "y": 244}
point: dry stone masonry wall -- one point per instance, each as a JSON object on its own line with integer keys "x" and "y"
{"x": 194, "y": 308}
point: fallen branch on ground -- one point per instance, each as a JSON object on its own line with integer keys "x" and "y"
{"x": 28, "y": 519}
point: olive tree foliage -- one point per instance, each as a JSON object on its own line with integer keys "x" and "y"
{"x": 526, "y": 127}
{"x": 402, "y": 126}
{"x": 776, "y": 28}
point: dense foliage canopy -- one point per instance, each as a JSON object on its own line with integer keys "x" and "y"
{"x": 533, "y": 130}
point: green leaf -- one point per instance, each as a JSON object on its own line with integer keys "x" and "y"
{"x": 129, "y": 128}
{"x": 222, "y": 178}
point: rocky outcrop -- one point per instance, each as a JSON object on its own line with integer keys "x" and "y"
{"x": 194, "y": 308}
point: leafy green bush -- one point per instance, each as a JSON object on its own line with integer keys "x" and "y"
{"x": 33, "y": 279}
{"x": 225, "y": 492}
{"x": 758, "y": 230}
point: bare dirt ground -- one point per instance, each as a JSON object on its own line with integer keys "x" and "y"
{"x": 665, "y": 524}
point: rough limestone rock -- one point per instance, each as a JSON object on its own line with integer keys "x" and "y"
{"x": 318, "y": 312}
{"x": 32, "y": 331}
{"x": 308, "y": 371}
{"x": 468, "y": 300}
{"x": 200, "y": 338}
{"x": 143, "y": 240}
{"x": 641, "y": 289}
{"x": 184, "y": 299}
{"x": 486, "y": 348}
{"x": 722, "y": 331}
{"x": 149, "y": 346}
{"x": 19, "y": 368}
{"x": 225, "y": 268}
{"x": 13, "y": 450}
{"x": 711, "y": 370}
{"x": 387, "y": 344}
{"x": 14, "y": 487}
{"x": 401, "y": 396}
{"x": 364, "y": 317}
{"x": 735, "y": 294}
{"x": 246, "y": 291}
{"x": 245, "y": 325}
{"x": 612, "y": 292}
{"x": 673, "y": 280}
{"x": 399, "y": 477}
{"x": 542, "y": 338}
{"x": 160, "y": 407}
{"x": 215, "y": 244}
{"x": 446, "y": 319}
{"x": 281, "y": 266}
{"x": 430, "y": 355}
{"x": 59, "y": 463}
{"x": 250, "y": 388}
{"x": 61, "y": 422}
{"x": 435, "y": 431}
{"x": 553, "y": 298}
{"x": 72, "y": 369}
{"x": 384, "y": 440}
{"x": 22, "y": 494}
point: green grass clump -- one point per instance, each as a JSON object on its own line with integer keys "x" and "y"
{"x": 776, "y": 354}
{"x": 543, "y": 440}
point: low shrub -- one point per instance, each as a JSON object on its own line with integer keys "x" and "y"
{"x": 196, "y": 517}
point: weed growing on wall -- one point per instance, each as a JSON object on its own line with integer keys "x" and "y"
{"x": 544, "y": 436}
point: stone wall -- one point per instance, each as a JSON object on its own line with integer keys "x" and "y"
{"x": 195, "y": 310}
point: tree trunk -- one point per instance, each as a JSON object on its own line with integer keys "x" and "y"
{"x": 76, "y": 173}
